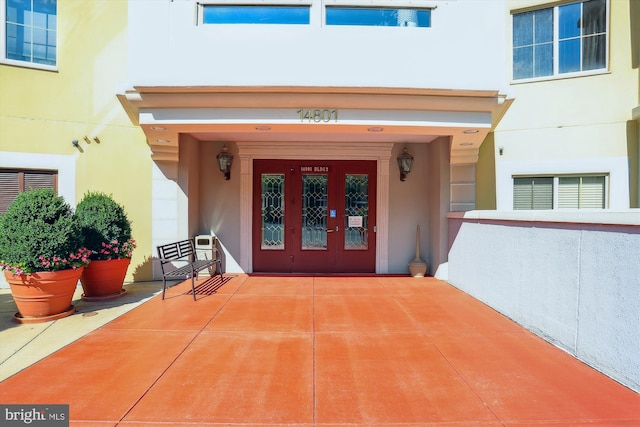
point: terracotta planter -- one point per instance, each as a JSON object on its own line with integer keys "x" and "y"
{"x": 102, "y": 280}
{"x": 43, "y": 296}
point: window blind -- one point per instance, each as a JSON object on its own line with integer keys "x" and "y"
{"x": 592, "y": 192}
{"x": 581, "y": 192}
{"x": 35, "y": 180}
{"x": 13, "y": 181}
{"x": 9, "y": 188}
{"x": 533, "y": 193}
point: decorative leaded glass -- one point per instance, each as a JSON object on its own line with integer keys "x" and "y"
{"x": 272, "y": 211}
{"x": 314, "y": 211}
{"x": 356, "y": 201}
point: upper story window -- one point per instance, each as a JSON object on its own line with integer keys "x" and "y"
{"x": 252, "y": 14}
{"x": 378, "y": 16}
{"x": 569, "y": 38}
{"x": 30, "y": 31}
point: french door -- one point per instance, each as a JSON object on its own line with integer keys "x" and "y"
{"x": 314, "y": 216}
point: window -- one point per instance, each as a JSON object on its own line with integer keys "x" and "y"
{"x": 14, "y": 181}
{"x": 378, "y": 17}
{"x": 569, "y": 38}
{"x": 249, "y": 14}
{"x": 533, "y": 193}
{"x": 564, "y": 192}
{"x": 580, "y": 192}
{"x": 30, "y": 31}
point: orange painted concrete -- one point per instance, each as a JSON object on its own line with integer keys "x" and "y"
{"x": 320, "y": 351}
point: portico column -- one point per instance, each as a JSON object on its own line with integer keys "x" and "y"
{"x": 382, "y": 216}
{"x": 246, "y": 191}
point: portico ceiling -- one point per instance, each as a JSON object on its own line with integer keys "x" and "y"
{"x": 316, "y": 114}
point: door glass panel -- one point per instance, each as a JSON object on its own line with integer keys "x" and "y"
{"x": 272, "y": 211}
{"x": 314, "y": 211}
{"x": 356, "y": 215}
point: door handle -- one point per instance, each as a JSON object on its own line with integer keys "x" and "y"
{"x": 331, "y": 230}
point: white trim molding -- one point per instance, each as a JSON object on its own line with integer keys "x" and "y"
{"x": 381, "y": 152}
{"x": 64, "y": 164}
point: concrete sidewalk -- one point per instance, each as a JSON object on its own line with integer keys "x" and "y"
{"x": 315, "y": 351}
{"x": 21, "y": 345}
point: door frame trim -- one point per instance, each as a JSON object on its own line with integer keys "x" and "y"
{"x": 332, "y": 150}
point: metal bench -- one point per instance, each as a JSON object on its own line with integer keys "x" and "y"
{"x": 184, "y": 252}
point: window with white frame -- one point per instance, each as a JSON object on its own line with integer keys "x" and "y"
{"x": 30, "y": 31}
{"x": 14, "y": 181}
{"x": 533, "y": 193}
{"x": 560, "y": 192}
{"x": 568, "y": 38}
{"x": 378, "y": 16}
{"x": 255, "y": 14}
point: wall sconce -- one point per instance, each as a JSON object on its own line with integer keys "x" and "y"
{"x": 224, "y": 162}
{"x": 404, "y": 163}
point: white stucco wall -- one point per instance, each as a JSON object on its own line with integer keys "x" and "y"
{"x": 220, "y": 203}
{"x": 438, "y": 192}
{"x": 571, "y": 277}
{"x": 409, "y": 203}
{"x": 165, "y": 41}
{"x": 169, "y": 209}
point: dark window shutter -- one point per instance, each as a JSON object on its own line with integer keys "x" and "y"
{"x": 9, "y": 188}
{"x": 35, "y": 180}
{"x": 13, "y": 181}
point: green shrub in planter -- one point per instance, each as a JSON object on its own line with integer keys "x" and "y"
{"x": 39, "y": 232}
{"x": 105, "y": 227}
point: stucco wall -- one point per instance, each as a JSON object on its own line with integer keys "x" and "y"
{"x": 573, "y": 125}
{"x": 571, "y": 277}
{"x": 408, "y": 207}
{"x": 438, "y": 191}
{"x": 43, "y": 110}
{"x": 220, "y": 203}
{"x": 316, "y": 54}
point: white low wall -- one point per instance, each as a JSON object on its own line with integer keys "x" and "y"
{"x": 571, "y": 277}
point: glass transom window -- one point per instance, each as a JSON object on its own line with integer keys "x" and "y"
{"x": 250, "y": 14}
{"x": 569, "y": 38}
{"x": 30, "y": 31}
{"x": 378, "y": 17}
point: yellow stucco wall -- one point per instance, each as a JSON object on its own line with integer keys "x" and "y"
{"x": 578, "y": 120}
{"x": 587, "y": 109}
{"x": 44, "y": 111}
{"x": 486, "y": 175}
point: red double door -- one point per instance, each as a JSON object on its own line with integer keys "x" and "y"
{"x": 314, "y": 216}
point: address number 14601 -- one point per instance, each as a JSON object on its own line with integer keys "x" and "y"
{"x": 317, "y": 115}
